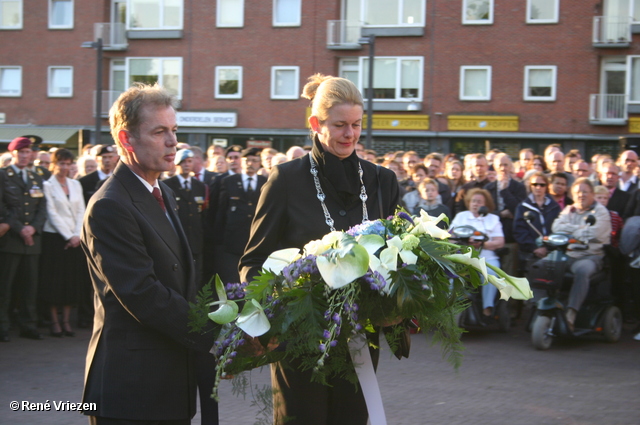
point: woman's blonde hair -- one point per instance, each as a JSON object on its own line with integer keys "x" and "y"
{"x": 325, "y": 92}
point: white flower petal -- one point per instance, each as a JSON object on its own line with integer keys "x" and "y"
{"x": 278, "y": 260}
{"x": 252, "y": 320}
{"x": 408, "y": 256}
{"x": 226, "y": 313}
{"x": 342, "y": 270}
{"x": 372, "y": 243}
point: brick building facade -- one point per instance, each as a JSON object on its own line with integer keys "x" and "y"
{"x": 448, "y": 76}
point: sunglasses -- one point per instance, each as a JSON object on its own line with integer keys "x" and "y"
{"x": 538, "y": 184}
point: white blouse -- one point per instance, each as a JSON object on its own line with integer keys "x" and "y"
{"x": 489, "y": 225}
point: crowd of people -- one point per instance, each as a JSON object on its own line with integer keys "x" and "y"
{"x": 216, "y": 212}
{"x": 236, "y": 205}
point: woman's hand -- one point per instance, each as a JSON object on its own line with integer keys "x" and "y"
{"x": 74, "y": 242}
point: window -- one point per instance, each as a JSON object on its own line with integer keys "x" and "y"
{"x": 60, "y": 14}
{"x": 230, "y": 13}
{"x": 393, "y": 12}
{"x": 228, "y": 82}
{"x": 11, "y": 14}
{"x": 394, "y": 78}
{"x": 10, "y": 81}
{"x": 165, "y": 71}
{"x": 60, "y": 81}
{"x": 155, "y": 14}
{"x": 542, "y": 11}
{"x": 285, "y": 82}
{"x": 633, "y": 78}
{"x": 286, "y": 13}
{"x": 475, "y": 83}
{"x": 540, "y": 83}
{"x": 477, "y": 12}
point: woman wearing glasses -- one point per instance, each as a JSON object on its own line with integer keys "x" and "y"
{"x": 545, "y": 210}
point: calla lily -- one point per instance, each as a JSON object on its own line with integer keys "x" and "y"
{"x": 372, "y": 243}
{"x": 278, "y": 260}
{"x": 252, "y": 320}
{"x": 477, "y": 263}
{"x": 506, "y": 291}
{"x": 429, "y": 225}
{"x": 406, "y": 254}
{"x": 342, "y": 266}
{"x": 520, "y": 289}
{"x": 227, "y": 310}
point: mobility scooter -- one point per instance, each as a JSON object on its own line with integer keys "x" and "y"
{"x": 598, "y": 314}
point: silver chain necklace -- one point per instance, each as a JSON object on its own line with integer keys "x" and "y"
{"x": 322, "y": 197}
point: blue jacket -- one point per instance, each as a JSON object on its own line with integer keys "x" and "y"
{"x": 524, "y": 235}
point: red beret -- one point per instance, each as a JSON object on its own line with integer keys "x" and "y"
{"x": 19, "y": 143}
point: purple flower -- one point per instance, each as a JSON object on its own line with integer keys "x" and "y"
{"x": 326, "y": 334}
{"x": 405, "y": 216}
{"x": 336, "y": 318}
{"x": 322, "y": 347}
{"x": 333, "y": 343}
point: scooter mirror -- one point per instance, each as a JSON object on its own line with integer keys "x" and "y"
{"x": 529, "y": 215}
{"x": 483, "y": 211}
{"x": 590, "y": 219}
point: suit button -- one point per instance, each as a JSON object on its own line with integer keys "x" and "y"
{"x": 175, "y": 267}
{"x": 26, "y": 213}
{"x": 342, "y": 213}
{"x": 26, "y": 203}
{"x": 26, "y": 223}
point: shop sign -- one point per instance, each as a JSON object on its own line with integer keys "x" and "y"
{"x": 483, "y": 123}
{"x": 207, "y": 119}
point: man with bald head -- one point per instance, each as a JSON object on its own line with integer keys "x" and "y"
{"x": 556, "y": 164}
{"x": 479, "y": 170}
{"x": 618, "y": 199}
{"x": 628, "y": 162}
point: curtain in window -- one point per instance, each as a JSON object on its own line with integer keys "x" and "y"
{"x": 171, "y": 76}
{"x": 10, "y": 13}
{"x": 540, "y": 78}
{"x": 172, "y": 13}
{"x": 410, "y": 78}
{"x": 477, "y": 10}
{"x": 475, "y": 83}
{"x": 10, "y": 80}
{"x": 60, "y": 81}
{"x": 635, "y": 80}
{"x": 230, "y": 12}
{"x": 285, "y": 82}
{"x": 145, "y": 14}
{"x": 381, "y": 12}
{"x": 542, "y": 9}
{"x": 287, "y": 11}
{"x": 412, "y": 12}
{"x": 228, "y": 81}
{"x": 61, "y": 12}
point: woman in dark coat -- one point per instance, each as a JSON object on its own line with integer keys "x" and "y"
{"x": 289, "y": 215}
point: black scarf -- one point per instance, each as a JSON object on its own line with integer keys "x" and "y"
{"x": 341, "y": 176}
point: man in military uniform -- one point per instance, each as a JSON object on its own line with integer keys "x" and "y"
{"x": 191, "y": 196}
{"x": 35, "y": 151}
{"x": 20, "y": 247}
{"x": 239, "y": 194}
{"x": 8, "y": 203}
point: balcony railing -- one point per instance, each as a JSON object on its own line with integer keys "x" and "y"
{"x": 342, "y": 36}
{"x": 608, "y": 109}
{"x": 113, "y": 34}
{"x": 611, "y": 31}
{"x": 108, "y": 99}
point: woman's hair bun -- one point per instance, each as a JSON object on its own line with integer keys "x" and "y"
{"x": 310, "y": 89}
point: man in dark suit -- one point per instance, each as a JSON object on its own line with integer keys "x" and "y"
{"x": 628, "y": 162}
{"x": 191, "y": 195}
{"x": 140, "y": 360}
{"x": 507, "y": 193}
{"x": 479, "y": 169}
{"x": 609, "y": 176}
{"x": 20, "y": 248}
{"x": 433, "y": 162}
{"x": 106, "y": 159}
{"x": 199, "y": 172}
{"x": 239, "y": 196}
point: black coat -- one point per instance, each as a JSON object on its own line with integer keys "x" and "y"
{"x": 191, "y": 208}
{"x": 89, "y": 184}
{"x": 618, "y": 201}
{"x": 289, "y": 214}
{"x": 31, "y": 210}
{"x": 512, "y": 196}
{"x": 235, "y": 210}
{"x": 140, "y": 359}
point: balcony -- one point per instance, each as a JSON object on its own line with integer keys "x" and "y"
{"x": 108, "y": 99}
{"x": 612, "y": 31}
{"x": 608, "y": 109}
{"x": 113, "y": 34}
{"x": 341, "y": 36}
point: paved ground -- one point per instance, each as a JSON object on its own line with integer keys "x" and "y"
{"x": 503, "y": 380}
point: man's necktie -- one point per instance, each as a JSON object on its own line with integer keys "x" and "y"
{"x": 156, "y": 194}
{"x": 24, "y": 176}
{"x": 186, "y": 185}
{"x": 249, "y": 185}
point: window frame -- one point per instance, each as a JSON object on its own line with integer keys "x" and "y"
{"x": 3, "y": 67}
{"x": 553, "y": 20}
{"x": 61, "y": 27}
{"x": 218, "y": 14}
{"x": 463, "y": 70}
{"x": 17, "y": 26}
{"x": 296, "y": 90}
{"x": 49, "y": 81}
{"x": 162, "y": 58}
{"x": 286, "y": 24}
{"x": 398, "y": 82}
{"x": 160, "y": 28}
{"x": 489, "y": 21}
{"x": 217, "y": 93}
{"x": 554, "y": 83}
{"x": 629, "y": 81}
{"x": 423, "y": 14}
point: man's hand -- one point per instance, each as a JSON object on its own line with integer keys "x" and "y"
{"x": 506, "y": 214}
{"x": 27, "y": 233}
{"x": 540, "y": 252}
{"x": 4, "y": 228}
